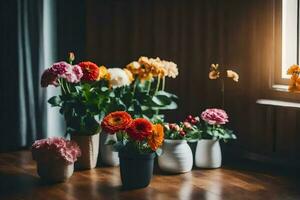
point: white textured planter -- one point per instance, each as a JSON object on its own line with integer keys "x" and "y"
{"x": 177, "y": 157}
{"x": 89, "y": 145}
{"x": 107, "y": 155}
{"x": 55, "y": 171}
{"x": 208, "y": 154}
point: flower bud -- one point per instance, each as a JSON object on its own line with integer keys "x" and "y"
{"x": 71, "y": 57}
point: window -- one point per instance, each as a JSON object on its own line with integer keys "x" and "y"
{"x": 290, "y": 35}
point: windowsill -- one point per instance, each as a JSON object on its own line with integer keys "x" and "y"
{"x": 282, "y": 88}
{"x": 270, "y": 102}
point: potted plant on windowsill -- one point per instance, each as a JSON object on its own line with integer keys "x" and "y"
{"x": 137, "y": 142}
{"x": 84, "y": 94}
{"x": 55, "y": 158}
{"x": 177, "y": 156}
{"x": 208, "y": 151}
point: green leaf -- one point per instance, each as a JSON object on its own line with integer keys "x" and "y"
{"x": 159, "y": 151}
{"x": 55, "y": 101}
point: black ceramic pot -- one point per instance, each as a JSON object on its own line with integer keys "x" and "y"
{"x": 136, "y": 169}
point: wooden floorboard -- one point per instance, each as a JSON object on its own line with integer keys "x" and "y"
{"x": 18, "y": 180}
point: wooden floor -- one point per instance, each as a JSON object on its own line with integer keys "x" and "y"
{"x": 18, "y": 180}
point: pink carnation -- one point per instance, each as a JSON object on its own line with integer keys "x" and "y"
{"x": 60, "y": 68}
{"x": 54, "y": 149}
{"x": 72, "y": 73}
{"x": 214, "y": 116}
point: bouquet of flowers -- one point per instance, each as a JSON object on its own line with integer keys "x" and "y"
{"x": 217, "y": 72}
{"x": 189, "y": 129}
{"x": 55, "y": 150}
{"x": 89, "y": 92}
{"x": 146, "y": 96}
{"x": 214, "y": 121}
{"x": 133, "y": 135}
{"x": 84, "y": 93}
{"x": 294, "y": 83}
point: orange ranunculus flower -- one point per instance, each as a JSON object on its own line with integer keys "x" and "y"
{"x": 293, "y": 69}
{"x": 103, "y": 73}
{"x": 156, "y": 139}
{"x": 90, "y": 71}
{"x": 139, "y": 129}
{"x": 292, "y": 83}
{"x": 116, "y": 121}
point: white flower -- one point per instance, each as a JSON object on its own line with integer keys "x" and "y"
{"x": 118, "y": 77}
{"x": 233, "y": 75}
{"x": 170, "y": 69}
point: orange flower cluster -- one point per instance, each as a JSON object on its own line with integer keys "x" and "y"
{"x": 140, "y": 129}
{"x": 146, "y": 68}
{"x": 294, "y": 84}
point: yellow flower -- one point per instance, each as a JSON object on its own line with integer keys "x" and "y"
{"x": 233, "y": 75}
{"x": 214, "y": 66}
{"x": 213, "y": 75}
{"x": 134, "y": 67}
{"x": 103, "y": 73}
{"x": 293, "y": 69}
{"x": 129, "y": 74}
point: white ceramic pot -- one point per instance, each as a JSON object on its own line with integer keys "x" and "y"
{"x": 55, "y": 171}
{"x": 107, "y": 155}
{"x": 177, "y": 157}
{"x": 208, "y": 154}
{"x": 89, "y": 145}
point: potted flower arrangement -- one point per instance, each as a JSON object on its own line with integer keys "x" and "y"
{"x": 138, "y": 89}
{"x": 137, "y": 142}
{"x": 55, "y": 158}
{"x": 84, "y": 97}
{"x": 208, "y": 151}
{"x": 177, "y": 156}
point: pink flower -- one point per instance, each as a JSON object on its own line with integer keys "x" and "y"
{"x": 60, "y": 68}
{"x": 78, "y": 72}
{"x": 55, "y": 149}
{"x": 187, "y": 125}
{"x": 214, "y": 116}
{"x": 72, "y": 73}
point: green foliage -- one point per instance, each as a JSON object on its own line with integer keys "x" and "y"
{"x": 85, "y": 104}
{"x": 217, "y": 132}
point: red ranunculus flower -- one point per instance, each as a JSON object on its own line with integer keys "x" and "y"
{"x": 139, "y": 129}
{"x": 116, "y": 121}
{"x": 90, "y": 71}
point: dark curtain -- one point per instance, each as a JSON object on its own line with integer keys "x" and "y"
{"x": 23, "y": 116}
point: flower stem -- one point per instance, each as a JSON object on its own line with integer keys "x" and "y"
{"x": 163, "y": 83}
{"x": 61, "y": 85}
{"x": 149, "y": 87}
{"x": 157, "y": 85}
{"x": 223, "y": 92}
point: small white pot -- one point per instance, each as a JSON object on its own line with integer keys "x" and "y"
{"x": 107, "y": 155}
{"x": 177, "y": 157}
{"x": 208, "y": 154}
{"x": 89, "y": 146}
{"x": 55, "y": 171}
